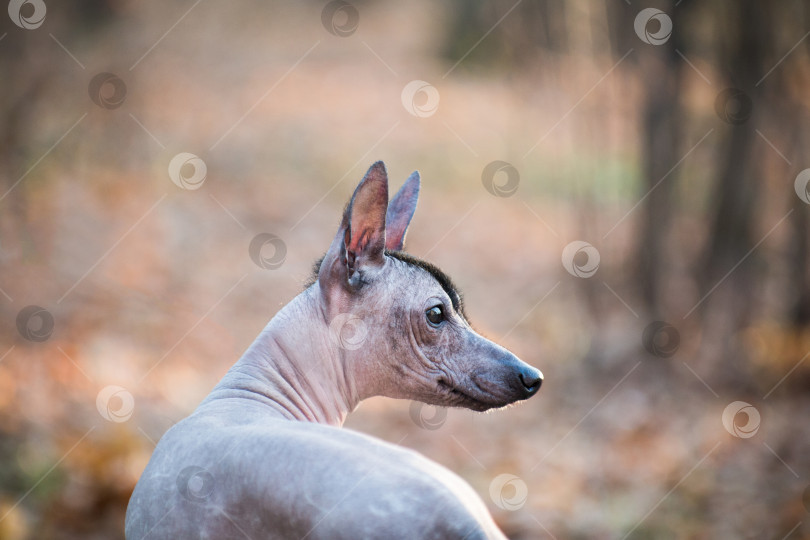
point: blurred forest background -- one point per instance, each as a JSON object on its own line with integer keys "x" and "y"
{"x": 671, "y": 141}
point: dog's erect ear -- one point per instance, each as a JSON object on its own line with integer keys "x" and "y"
{"x": 359, "y": 245}
{"x": 364, "y": 240}
{"x": 400, "y": 212}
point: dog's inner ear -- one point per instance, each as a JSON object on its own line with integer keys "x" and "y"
{"x": 400, "y": 212}
{"x": 364, "y": 223}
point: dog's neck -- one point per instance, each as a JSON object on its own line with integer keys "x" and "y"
{"x": 294, "y": 367}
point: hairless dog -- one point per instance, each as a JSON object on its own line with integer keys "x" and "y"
{"x": 264, "y": 456}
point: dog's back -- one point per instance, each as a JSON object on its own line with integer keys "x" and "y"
{"x": 225, "y": 473}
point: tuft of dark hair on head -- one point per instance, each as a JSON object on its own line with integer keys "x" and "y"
{"x": 444, "y": 280}
{"x": 313, "y": 276}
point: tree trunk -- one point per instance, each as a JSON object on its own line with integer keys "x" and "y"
{"x": 733, "y": 231}
{"x": 661, "y": 148}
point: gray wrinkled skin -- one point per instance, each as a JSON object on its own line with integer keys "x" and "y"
{"x": 264, "y": 456}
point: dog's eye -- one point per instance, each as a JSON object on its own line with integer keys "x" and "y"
{"x": 435, "y": 315}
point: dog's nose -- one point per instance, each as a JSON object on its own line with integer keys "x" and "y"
{"x": 531, "y": 379}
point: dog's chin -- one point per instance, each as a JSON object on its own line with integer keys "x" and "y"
{"x": 454, "y": 397}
